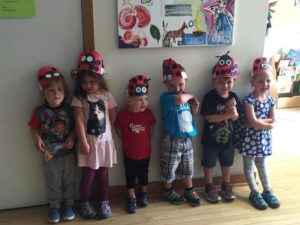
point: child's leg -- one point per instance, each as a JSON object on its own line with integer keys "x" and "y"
{"x": 131, "y": 171}
{"x": 249, "y": 173}
{"x": 267, "y": 194}
{"x": 255, "y": 197}
{"x": 87, "y": 178}
{"x": 53, "y": 169}
{"x": 102, "y": 185}
{"x": 102, "y": 188}
{"x": 208, "y": 175}
{"x": 171, "y": 150}
{"x": 69, "y": 179}
{"x": 260, "y": 163}
{"x": 143, "y": 170}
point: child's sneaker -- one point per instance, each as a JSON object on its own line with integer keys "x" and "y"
{"x": 270, "y": 199}
{"x": 87, "y": 211}
{"x": 192, "y": 197}
{"x": 173, "y": 197}
{"x": 68, "y": 213}
{"x": 104, "y": 210}
{"x": 211, "y": 193}
{"x": 131, "y": 205}
{"x": 257, "y": 200}
{"x": 54, "y": 215}
{"x": 226, "y": 192}
{"x": 143, "y": 199}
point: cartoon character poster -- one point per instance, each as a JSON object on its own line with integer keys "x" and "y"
{"x": 174, "y": 23}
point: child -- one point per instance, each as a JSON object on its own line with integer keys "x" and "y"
{"x": 51, "y": 128}
{"x": 220, "y": 109}
{"x": 94, "y": 111}
{"x": 135, "y": 126}
{"x": 256, "y": 143}
{"x": 177, "y": 154}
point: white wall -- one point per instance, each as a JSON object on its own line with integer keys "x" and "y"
{"x": 54, "y": 37}
{"x": 121, "y": 64}
{"x": 285, "y": 31}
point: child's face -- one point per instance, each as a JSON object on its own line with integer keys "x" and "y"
{"x": 90, "y": 85}
{"x": 223, "y": 85}
{"x": 261, "y": 83}
{"x": 176, "y": 86}
{"x": 137, "y": 103}
{"x": 54, "y": 94}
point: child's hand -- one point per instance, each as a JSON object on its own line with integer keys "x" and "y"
{"x": 85, "y": 148}
{"x": 230, "y": 105}
{"x": 69, "y": 142}
{"x": 194, "y": 104}
{"x": 39, "y": 145}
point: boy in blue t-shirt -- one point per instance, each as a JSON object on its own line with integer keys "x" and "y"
{"x": 220, "y": 108}
{"x": 177, "y": 154}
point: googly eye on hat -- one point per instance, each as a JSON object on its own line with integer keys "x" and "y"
{"x": 91, "y": 61}
{"x": 46, "y": 73}
{"x": 261, "y": 64}
{"x": 172, "y": 70}
{"x": 226, "y": 67}
{"x": 138, "y": 85}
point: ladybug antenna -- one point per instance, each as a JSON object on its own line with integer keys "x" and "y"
{"x": 227, "y": 53}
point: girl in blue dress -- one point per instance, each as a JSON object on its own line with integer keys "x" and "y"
{"x": 256, "y": 143}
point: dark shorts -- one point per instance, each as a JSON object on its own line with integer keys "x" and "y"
{"x": 210, "y": 155}
{"x": 136, "y": 169}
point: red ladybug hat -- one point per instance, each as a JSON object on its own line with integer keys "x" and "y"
{"x": 138, "y": 85}
{"x": 46, "y": 73}
{"x": 226, "y": 67}
{"x": 261, "y": 64}
{"x": 173, "y": 70}
{"x": 91, "y": 61}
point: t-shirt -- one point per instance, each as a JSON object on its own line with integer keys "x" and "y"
{"x": 135, "y": 128}
{"x": 218, "y": 134}
{"x": 55, "y": 125}
{"x": 177, "y": 119}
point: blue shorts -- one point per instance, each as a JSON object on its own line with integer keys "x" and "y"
{"x": 177, "y": 158}
{"x": 210, "y": 155}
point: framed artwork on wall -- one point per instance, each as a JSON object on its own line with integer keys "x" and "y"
{"x": 175, "y": 23}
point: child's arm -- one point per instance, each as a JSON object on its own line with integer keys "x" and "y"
{"x": 80, "y": 130}
{"x": 119, "y": 133}
{"x": 183, "y": 98}
{"x": 38, "y": 142}
{"x": 255, "y": 123}
{"x": 112, "y": 114}
{"x": 194, "y": 104}
{"x": 220, "y": 117}
{"x": 151, "y": 131}
{"x": 69, "y": 143}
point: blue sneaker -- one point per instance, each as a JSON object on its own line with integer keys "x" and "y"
{"x": 131, "y": 205}
{"x": 54, "y": 215}
{"x": 257, "y": 200}
{"x": 143, "y": 199}
{"x": 87, "y": 211}
{"x": 270, "y": 199}
{"x": 68, "y": 213}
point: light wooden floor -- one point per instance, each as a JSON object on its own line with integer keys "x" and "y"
{"x": 285, "y": 177}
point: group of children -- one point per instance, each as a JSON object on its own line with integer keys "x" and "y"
{"x": 56, "y": 126}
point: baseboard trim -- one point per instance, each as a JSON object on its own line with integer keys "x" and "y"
{"x": 156, "y": 188}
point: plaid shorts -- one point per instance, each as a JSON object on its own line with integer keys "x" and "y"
{"x": 177, "y": 158}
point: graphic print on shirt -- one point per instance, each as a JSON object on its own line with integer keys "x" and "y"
{"x": 96, "y": 123}
{"x": 54, "y": 126}
{"x": 185, "y": 118}
{"x": 136, "y": 128}
{"x": 221, "y": 131}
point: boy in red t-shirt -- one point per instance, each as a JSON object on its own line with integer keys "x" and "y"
{"x": 135, "y": 126}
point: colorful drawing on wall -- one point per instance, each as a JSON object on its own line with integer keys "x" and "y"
{"x": 174, "y": 23}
